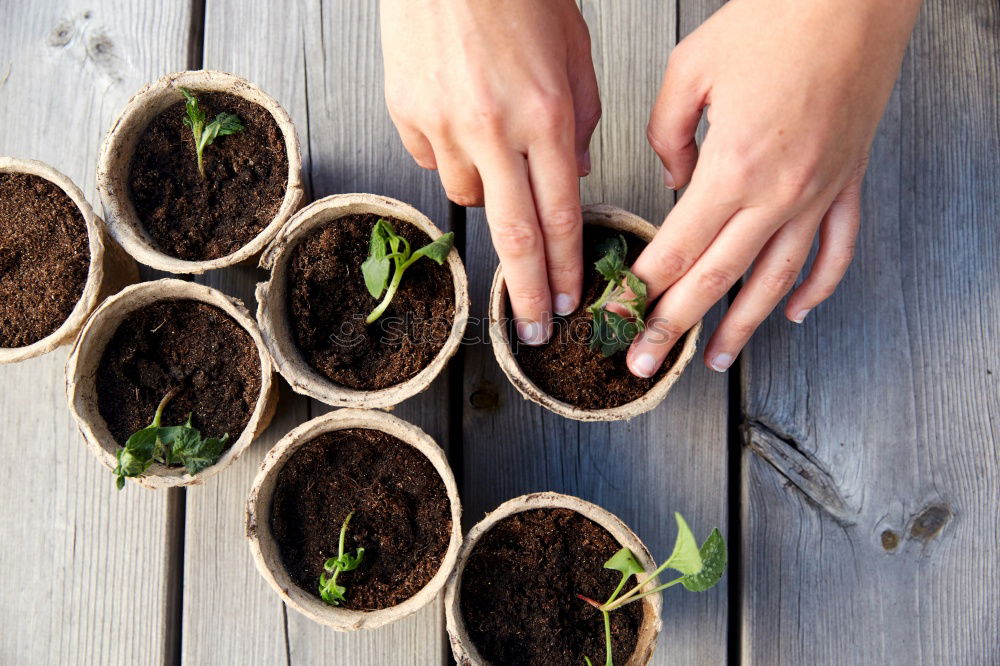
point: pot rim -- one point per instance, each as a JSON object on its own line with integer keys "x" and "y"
{"x": 465, "y": 651}
{"x": 119, "y": 146}
{"x": 264, "y": 547}
{"x": 272, "y": 315}
{"x": 95, "y": 272}
{"x": 81, "y": 373}
{"x": 603, "y": 215}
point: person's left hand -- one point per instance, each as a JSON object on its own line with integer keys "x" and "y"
{"x": 794, "y": 93}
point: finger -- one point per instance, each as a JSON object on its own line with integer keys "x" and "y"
{"x": 674, "y": 121}
{"x": 510, "y": 212}
{"x": 417, "y": 146}
{"x": 838, "y": 236}
{"x": 556, "y": 189}
{"x": 774, "y": 273}
{"x": 693, "y": 223}
{"x": 586, "y": 108}
{"x": 460, "y": 178}
{"x": 706, "y": 282}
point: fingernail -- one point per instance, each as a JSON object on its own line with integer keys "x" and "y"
{"x": 644, "y": 365}
{"x": 564, "y": 304}
{"x": 668, "y": 179}
{"x": 586, "y": 161}
{"x": 721, "y": 362}
{"x": 800, "y": 315}
{"x": 530, "y": 332}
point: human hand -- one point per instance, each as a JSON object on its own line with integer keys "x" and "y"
{"x": 501, "y": 99}
{"x": 794, "y": 93}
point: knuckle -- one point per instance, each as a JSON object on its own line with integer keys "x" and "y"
{"x": 549, "y": 111}
{"x": 562, "y": 223}
{"x": 529, "y": 296}
{"x": 516, "y": 239}
{"x": 593, "y": 114}
{"x": 716, "y": 281}
{"x": 780, "y": 281}
{"x": 465, "y": 198}
{"x": 741, "y": 328}
{"x": 672, "y": 263}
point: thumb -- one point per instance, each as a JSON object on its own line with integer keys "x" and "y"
{"x": 674, "y": 120}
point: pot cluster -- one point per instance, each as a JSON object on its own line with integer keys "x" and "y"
{"x": 120, "y": 327}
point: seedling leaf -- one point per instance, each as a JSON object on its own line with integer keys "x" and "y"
{"x": 205, "y": 134}
{"x": 713, "y": 555}
{"x": 385, "y": 246}
{"x": 329, "y": 591}
{"x": 686, "y": 558}
{"x": 168, "y": 445}
{"x": 610, "y": 331}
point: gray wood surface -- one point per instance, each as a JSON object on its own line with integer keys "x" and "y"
{"x": 867, "y": 495}
{"x": 872, "y": 473}
{"x": 85, "y": 568}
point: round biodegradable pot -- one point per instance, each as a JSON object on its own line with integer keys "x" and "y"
{"x": 273, "y": 314}
{"x": 82, "y": 367}
{"x": 613, "y": 218}
{"x": 120, "y": 145}
{"x": 265, "y": 548}
{"x": 110, "y": 267}
{"x": 462, "y": 647}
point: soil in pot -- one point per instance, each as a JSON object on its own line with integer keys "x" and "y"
{"x": 402, "y": 516}
{"x": 184, "y": 344}
{"x": 565, "y": 367}
{"x": 328, "y": 303}
{"x": 44, "y": 258}
{"x": 519, "y": 587}
{"x": 246, "y": 173}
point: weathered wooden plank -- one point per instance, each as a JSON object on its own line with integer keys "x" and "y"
{"x": 671, "y": 459}
{"x": 322, "y": 63}
{"x": 86, "y": 567}
{"x": 889, "y": 391}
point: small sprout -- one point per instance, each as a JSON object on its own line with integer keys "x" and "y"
{"x": 205, "y": 135}
{"x": 329, "y": 591}
{"x": 387, "y": 246}
{"x": 701, "y": 569}
{"x": 611, "y": 332}
{"x": 168, "y": 445}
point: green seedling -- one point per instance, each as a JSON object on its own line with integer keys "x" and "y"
{"x": 700, "y": 568}
{"x": 390, "y": 252}
{"x": 610, "y": 331}
{"x": 168, "y": 445}
{"x": 205, "y": 134}
{"x": 329, "y": 591}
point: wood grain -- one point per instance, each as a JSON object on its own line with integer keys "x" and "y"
{"x": 890, "y": 390}
{"x": 672, "y": 459}
{"x": 323, "y": 63}
{"x": 85, "y": 566}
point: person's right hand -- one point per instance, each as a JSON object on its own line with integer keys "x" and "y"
{"x": 501, "y": 99}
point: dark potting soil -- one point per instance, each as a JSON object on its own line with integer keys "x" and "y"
{"x": 402, "y": 516}
{"x": 44, "y": 258}
{"x": 182, "y": 344}
{"x": 328, "y": 303}
{"x": 565, "y": 367}
{"x": 519, "y": 587}
{"x": 246, "y": 174}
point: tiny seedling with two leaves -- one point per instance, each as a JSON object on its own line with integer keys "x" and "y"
{"x": 168, "y": 445}
{"x": 390, "y": 253}
{"x": 329, "y": 591}
{"x": 205, "y": 134}
{"x": 700, "y": 569}
{"x": 612, "y": 332}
